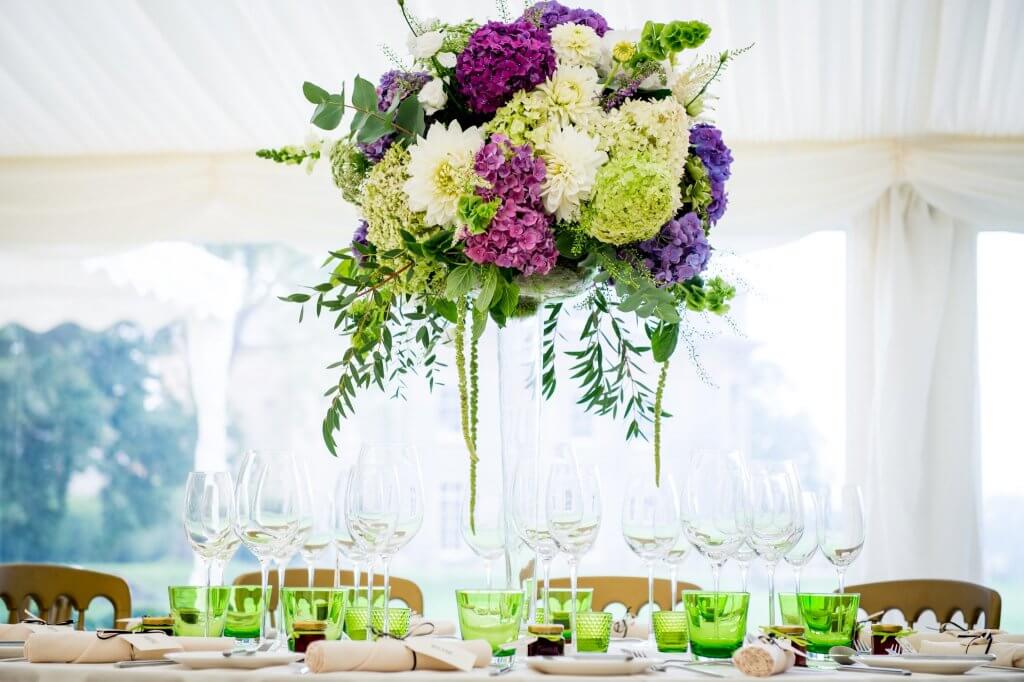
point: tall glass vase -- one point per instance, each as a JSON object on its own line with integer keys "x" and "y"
{"x": 519, "y": 395}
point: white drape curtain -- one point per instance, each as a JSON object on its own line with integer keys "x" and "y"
{"x": 911, "y": 207}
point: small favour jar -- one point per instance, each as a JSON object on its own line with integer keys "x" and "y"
{"x": 549, "y": 640}
{"x": 163, "y": 624}
{"x": 883, "y": 638}
{"x": 305, "y": 632}
{"x": 795, "y": 635}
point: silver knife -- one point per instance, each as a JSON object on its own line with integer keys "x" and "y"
{"x": 871, "y": 669}
{"x": 144, "y": 664}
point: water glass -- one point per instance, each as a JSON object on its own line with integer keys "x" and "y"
{"x": 245, "y": 607}
{"x": 397, "y": 620}
{"x": 493, "y": 615}
{"x": 830, "y": 620}
{"x": 356, "y": 618}
{"x": 789, "y": 609}
{"x": 593, "y": 629}
{"x": 198, "y": 611}
{"x": 717, "y": 622}
{"x": 671, "y": 633}
{"x": 317, "y": 609}
{"x": 559, "y": 607}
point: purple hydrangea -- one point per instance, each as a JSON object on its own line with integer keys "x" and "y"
{"x": 549, "y": 13}
{"x": 359, "y": 238}
{"x": 394, "y": 86}
{"x": 520, "y": 234}
{"x": 707, "y": 144}
{"x": 679, "y": 252}
{"x": 501, "y": 59}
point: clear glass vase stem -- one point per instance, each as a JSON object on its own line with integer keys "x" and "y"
{"x": 545, "y": 592}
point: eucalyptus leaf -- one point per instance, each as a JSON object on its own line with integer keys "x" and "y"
{"x": 314, "y": 93}
{"x": 327, "y": 115}
{"x": 364, "y": 95}
{"x": 410, "y": 116}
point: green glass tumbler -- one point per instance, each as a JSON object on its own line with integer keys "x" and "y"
{"x": 356, "y": 618}
{"x": 830, "y": 620}
{"x": 398, "y": 620}
{"x": 789, "y": 609}
{"x": 717, "y": 622}
{"x": 245, "y": 608}
{"x": 492, "y": 615}
{"x": 559, "y": 607}
{"x": 320, "y": 608}
{"x": 670, "y": 631}
{"x": 594, "y": 629}
{"x": 198, "y": 611}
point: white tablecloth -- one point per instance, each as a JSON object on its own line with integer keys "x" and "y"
{"x": 43, "y": 672}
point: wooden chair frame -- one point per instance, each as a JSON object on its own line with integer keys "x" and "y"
{"x": 944, "y": 597}
{"x": 628, "y": 590}
{"x": 58, "y": 589}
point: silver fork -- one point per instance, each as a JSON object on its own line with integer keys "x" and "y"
{"x": 662, "y": 666}
{"x": 266, "y": 646}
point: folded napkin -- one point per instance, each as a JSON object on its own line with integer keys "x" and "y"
{"x": 387, "y": 655}
{"x": 418, "y": 627}
{"x": 1006, "y": 653}
{"x": 630, "y": 627}
{"x": 917, "y": 639}
{"x": 87, "y": 647}
{"x": 762, "y": 659}
{"x": 19, "y": 632}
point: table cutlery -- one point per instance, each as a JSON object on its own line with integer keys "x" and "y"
{"x": 13, "y": 660}
{"x": 266, "y": 646}
{"x": 663, "y": 665}
{"x": 872, "y": 669}
{"x": 143, "y": 664}
{"x": 1004, "y": 668}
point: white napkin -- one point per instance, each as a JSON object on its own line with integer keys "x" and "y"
{"x": 1006, "y": 653}
{"x": 761, "y": 659}
{"x": 630, "y": 627}
{"x": 442, "y": 628}
{"x": 86, "y": 647}
{"x": 385, "y": 656}
{"x": 19, "y": 632}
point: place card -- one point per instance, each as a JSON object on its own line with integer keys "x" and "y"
{"x": 446, "y": 651}
{"x": 151, "y": 641}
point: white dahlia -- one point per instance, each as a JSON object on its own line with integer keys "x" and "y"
{"x": 572, "y": 160}
{"x": 575, "y": 45}
{"x": 572, "y": 93}
{"x": 441, "y": 170}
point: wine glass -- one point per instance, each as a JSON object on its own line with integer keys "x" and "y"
{"x": 713, "y": 508}
{"x": 344, "y": 544}
{"x": 650, "y": 524}
{"x": 841, "y": 528}
{"x": 209, "y": 519}
{"x": 744, "y": 556}
{"x": 318, "y": 517}
{"x": 573, "y": 503}
{"x": 674, "y": 558}
{"x": 409, "y": 519}
{"x": 776, "y": 518}
{"x": 267, "y": 511}
{"x": 287, "y": 551}
{"x": 803, "y": 551}
{"x": 529, "y": 516}
{"x": 485, "y": 531}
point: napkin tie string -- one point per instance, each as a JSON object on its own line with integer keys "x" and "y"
{"x": 32, "y": 619}
{"x": 772, "y": 639}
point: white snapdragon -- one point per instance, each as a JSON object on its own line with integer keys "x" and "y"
{"x": 447, "y": 59}
{"x": 432, "y": 96}
{"x": 425, "y": 45}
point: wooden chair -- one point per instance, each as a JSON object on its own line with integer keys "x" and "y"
{"x": 57, "y": 590}
{"x": 402, "y": 589}
{"x": 944, "y": 597}
{"x": 630, "y": 591}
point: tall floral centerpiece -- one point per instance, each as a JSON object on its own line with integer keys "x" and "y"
{"x": 514, "y": 164}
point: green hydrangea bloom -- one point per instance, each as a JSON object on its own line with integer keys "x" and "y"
{"x": 385, "y": 204}
{"x": 659, "y": 129}
{"x": 519, "y": 120}
{"x": 634, "y": 196}
{"x": 696, "y": 185}
{"x": 349, "y": 167}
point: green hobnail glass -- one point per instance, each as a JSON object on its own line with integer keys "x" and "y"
{"x": 198, "y": 611}
{"x": 671, "y": 631}
{"x": 830, "y": 620}
{"x": 594, "y": 630}
{"x": 789, "y": 609}
{"x": 355, "y": 622}
{"x": 323, "y": 605}
{"x": 245, "y": 607}
{"x": 559, "y": 606}
{"x": 398, "y": 620}
{"x": 492, "y": 615}
{"x": 717, "y": 622}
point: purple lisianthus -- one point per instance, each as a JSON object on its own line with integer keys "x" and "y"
{"x": 359, "y": 238}
{"x": 680, "y": 251}
{"x": 501, "y": 59}
{"x": 707, "y": 143}
{"x": 394, "y": 86}
{"x": 520, "y": 234}
{"x": 549, "y": 13}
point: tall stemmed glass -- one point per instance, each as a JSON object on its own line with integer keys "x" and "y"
{"x": 344, "y": 544}
{"x": 267, "y": 511}
{"x": 777, "y": 520}
{"x": 485, "y": 532}
{"x": 650, "y": 524}
{"x": 409, "y": 520}
{"x": 529, "y": 516}
{"x": 744, "y": 556}
{"x": 574, "y": 514}
{"x": 713, "y": 508}
{"x": 286, "y": 552}
{"x": 209, "y": 520}
{"x": 803, "y": 551}
{"x": 675, "y": 557}
{"x": 318, "y": 517}
{"x": 841, "y": 528}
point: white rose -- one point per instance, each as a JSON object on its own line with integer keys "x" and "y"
{"x": 447, "y": 59}
{"x": 426, "y": 45}
{"x": 433, "y": 96}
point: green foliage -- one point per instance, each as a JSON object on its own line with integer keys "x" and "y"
{"x": 475, "y": 214}
{"x": 712, "y": 295}
{"x": 368, "y": 124}
{"x": 660, "y": 41}
{"x": 289, "y": 155}
{"x": 548, "y": 379}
